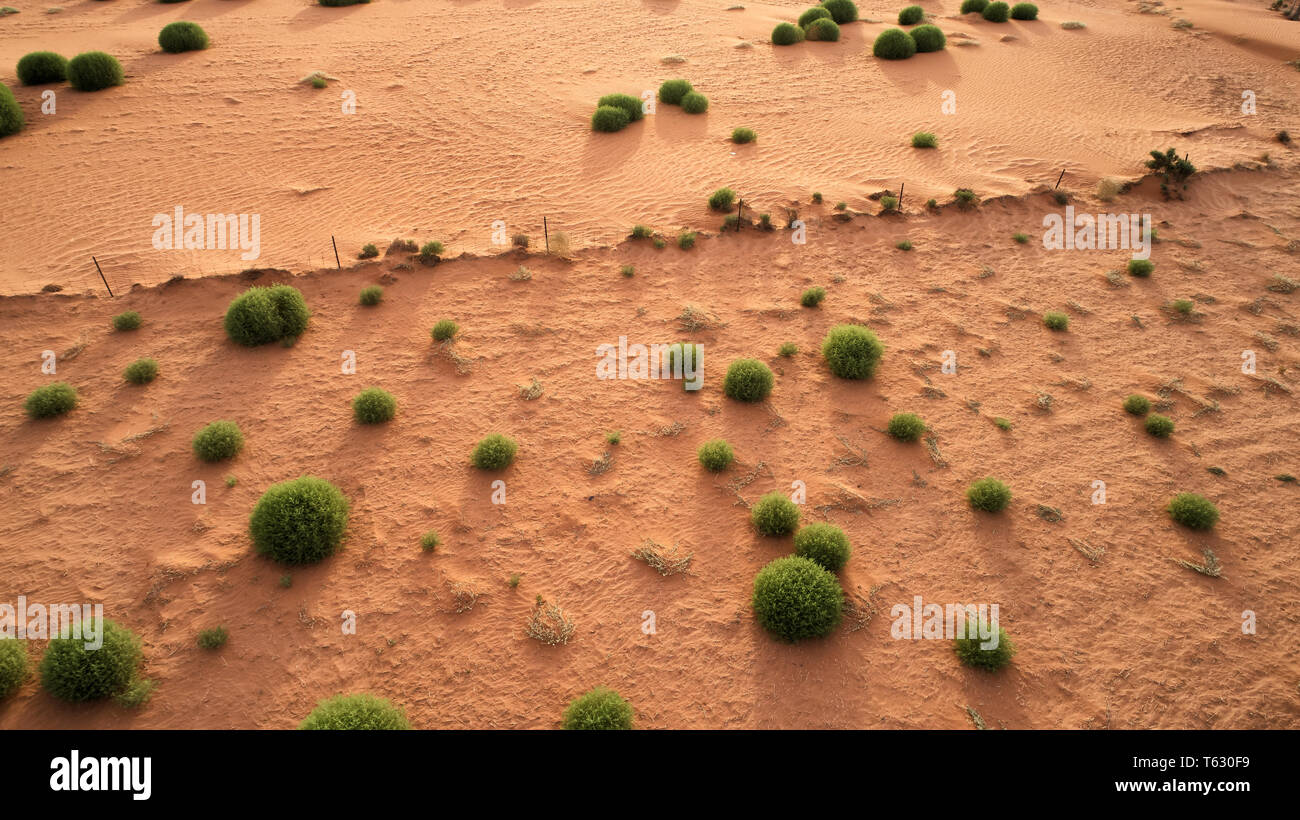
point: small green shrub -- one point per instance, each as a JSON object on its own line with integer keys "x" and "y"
{"x": 1140, "y": 267}
{"x": 373, "y": 406}
{"x": 372, "y": 295}
{"x": 608, "y": 119}
{"x": 1183, "y": 307}
{"x": 1055, "y": 320}
{"x": 842, "y": 11}
{"x": 911, "y": 15}
{"x": 430, "y": 252}
{"x": 494, "y": 452}
{"x": 368, "y": 251}
{"x": 774, "y": 514}
{"x": 1002, "y": 424}
{"x": 219, "y": 440}
{"x": 893, "y": 44}
{"x": 748, "y": 380}
{"x": 928, "y": 38}
{"x": 988, "y": 494}
{"x": 740, "y": 136}
{"x": 965, "y": 198}
{"x": 852, "y": 351}
{"x": 261, "y": 315}
{"x": 613, "y": 437}
{"x": 599, "y": 709}
{"x": 722, "y": 200}
{"x": 823, "y": 30}
{"x": 11, "y": 114}
{"x": 69, "y": 671}
{"x": 1159, "y": 426}
{"x": 695, "y": 103}
{"x": 788, "y": 349}
{"x": 182, "y": 36}
{"x": 1020, "y": 238}
{"x": 41, "y": 67}
{"x": 1137, "y": 405}
{"x": 672, "y": 91}
{"x": 716, "y": 455}
{"x": 141, "y": 371}
{"x": 996, "y": 12}
{"x": 126, "y": 321}
{"x": 628, "y": 271}
{"x": 630, "y": 104}
{"x": 430, "y": 541}
{"x": 686, "y": 240}
{"x": 1194, "y": 511}
{"x": 94, "y": 71}
{"x": 824, "y": 544}
{"x": 355, "y": 712}
{"x": 691, "y": 356}
{"x": 444, "y": 330}
{"x": 300, "y": 521}
{"x": 906, "y": 426}
{"x": 888, "y": 204}
{"x": 15, "y": 668}
{"x": 812, "y": 297}
{"x": 904, "y": 245}
{"x": 967, "y": 6}
{"x": 50, "y": 400}
{"x": 318, "y": 81}
{"x": 214, "y": 638}
{"x": 642, "y": 232}
{"x": 816, "y": 197}
{"x": 971, "y": 653}
{"x": 1024, "y": 11}
{"x": 795, "y": 599}
{"x": 924, "y": 139}
{"x": 786, "y": 34}
{"x": 814, "y": 13}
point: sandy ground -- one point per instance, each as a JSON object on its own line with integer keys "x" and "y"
{"x": 479, "y": 111}
{"x": 97, "y": 505}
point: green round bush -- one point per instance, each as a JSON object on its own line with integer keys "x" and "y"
{"x": 786, "y": 34}
{"x": 852, "y": 351}
{"x": 42, "y": 67}
{"x": 695, "y": 103}
{"x": 609, "y": 119}
{"x": 812, "y": 297}
{"x": 1140, "y": 267}
{"x": 14, "y": 666}
{"x": 127, "y": 321}
{"x": 722, "y": 199}
{"x": 300, "y": 521}
{"x": 360, "y": 712}
{"x": 141, "y": 371}
{"x": 429, "y": 253}
{"x": 825, "y": 544}
{"x": 494, "y": 452}
{"x": 989, "y": 494}
{"x": 814, "y": 13}
{"x": 261, "y": 315}
{"x": 842, "y": 11}
{"x": 716, "y": 455}
{"x": 748, "y": 380}
{"x": 824, "y": 30}
{"x": 599, "y": 709}
{"x": 996, "y": 12}
{"x": 893, "y": 44}
{"x": 774, "y": 514}
{"x": 11, "y": 115}
{"x": 740, "y": 136}
{"x": 1024, "y": 11}
{"x": 795, "y": 599}
{"x": 71, "y": 672}
{"x": 1159, "y": 426}
{"x": 906, "y": 426}
{"x": 630, "y": 104}
{"x": 970, "y": 652}
{"x": 928, "y": 38}
{"x": 967, "y": 6}
{"x": 672, "y": 91}
{"x": 182, "y": 36}
{"x": 1055, "y": 320}
{"x": 218, "y": 441}
{"x": 372, "y": 295}
{"x": 911, "y": 15}
{"x": 691, "y": 356}
{"x": 1194, "y": 511}
{"x": 94, "y": 71}
{"x": 373, "y": 405}
{"x": 444, "y": 330}
{"x": 1137, "y": 405}
{"x": 53, "y": 399}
